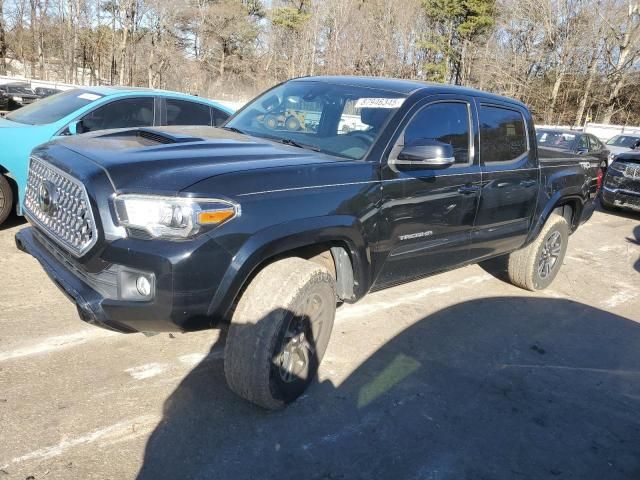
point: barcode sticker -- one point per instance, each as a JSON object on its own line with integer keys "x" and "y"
{"x": 379, "y": 102}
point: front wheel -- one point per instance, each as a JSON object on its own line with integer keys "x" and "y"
{"x": 279, "y": 332}
{"x": 6, "y": 198}
{"x": 535, "y": 266}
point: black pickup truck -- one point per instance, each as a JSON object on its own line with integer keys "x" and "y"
{"x": 266, "y": 225}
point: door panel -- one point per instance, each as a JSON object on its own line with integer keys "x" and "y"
{"x": 510, "y": 180}
{"x": 427, "y": 215}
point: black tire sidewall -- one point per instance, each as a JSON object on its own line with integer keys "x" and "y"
{"x": 557, "y": 226}
{"x": 7, "y": 191}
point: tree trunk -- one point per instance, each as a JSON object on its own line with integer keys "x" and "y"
{"x": 554, "y": 97}
{"x": 593, "y": 72}
{"x": 126, "y": 14}
{"x": 33, "y": 21}
{"x": 3, "y": 42}
{"x": 627, "y": 47}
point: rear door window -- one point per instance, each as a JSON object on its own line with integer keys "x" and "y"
{"x": 125, "y": 113}
{"x": 184, "y": 112}
{"x": 503, "y": 134}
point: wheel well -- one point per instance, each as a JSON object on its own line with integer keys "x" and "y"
{"x": 335, "y": 257}
{"x": 14, "y": 187}
{"x": 569, "y": 209}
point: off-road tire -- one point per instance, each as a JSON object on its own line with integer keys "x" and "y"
{"x": 292, "y": 124}
{"x": 6, "y": 198}
{"x": 523, "y": 265}
{"x": 277, "y": 297}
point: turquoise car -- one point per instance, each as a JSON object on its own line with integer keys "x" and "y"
{"x": 88, "y": 109}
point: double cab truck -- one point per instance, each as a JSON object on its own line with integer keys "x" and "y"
{"x": 263, "y": 229}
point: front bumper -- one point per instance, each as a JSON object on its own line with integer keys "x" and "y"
{"x": 621, "y": 198}
{"x": 176, "y": 306}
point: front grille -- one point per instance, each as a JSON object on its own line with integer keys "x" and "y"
{"x": 59, "y": 205}
{"x": 632, "y": 171}
{"x": 104, "y": 282}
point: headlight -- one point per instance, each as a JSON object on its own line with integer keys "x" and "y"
{"x": 17, "y": 99}
{"x": 172, "y": 218}
{"x": 618, "y": 166}
{"x": 612, "y": 157}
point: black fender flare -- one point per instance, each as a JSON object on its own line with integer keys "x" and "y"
{"x": 288, "y": 236}
{"x": 568, "y": 196}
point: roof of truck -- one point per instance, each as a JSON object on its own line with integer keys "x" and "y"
{"x": 407, "y": 87}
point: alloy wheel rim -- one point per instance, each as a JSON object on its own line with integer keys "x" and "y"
{"x": 550, "y": 254}
{"x": 297, "y": 349}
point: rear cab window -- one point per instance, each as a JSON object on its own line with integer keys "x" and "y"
{"x": 503, "y": 134}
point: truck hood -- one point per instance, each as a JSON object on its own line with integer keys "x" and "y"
{"x": 617, "y": 150}
{"x": 171, "y": 159}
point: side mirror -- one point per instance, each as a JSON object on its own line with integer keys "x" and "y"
{"x": 429, "y": 154}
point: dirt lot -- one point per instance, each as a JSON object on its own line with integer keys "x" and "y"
{"x": 458, "y": 376}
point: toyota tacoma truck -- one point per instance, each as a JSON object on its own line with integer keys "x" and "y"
{"x": 263, "y": 230}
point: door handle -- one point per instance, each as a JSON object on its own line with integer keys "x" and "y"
{"x": 528, "y": 183}
{"x": 468, "y": 189}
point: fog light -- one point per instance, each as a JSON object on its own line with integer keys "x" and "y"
{"x": 144, "y": 286}
{"x": 135, "y": 285}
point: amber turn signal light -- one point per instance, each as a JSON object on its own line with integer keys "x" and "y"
{"x": 215, "y": 216}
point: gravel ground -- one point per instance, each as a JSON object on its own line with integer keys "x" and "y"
{"x": 457, "y": 376}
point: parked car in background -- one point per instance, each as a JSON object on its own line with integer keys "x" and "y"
{"x": 572, "y": 141}
{"x": 16, "y": 95}
{"x": 89, "y": 109}
{"x": 46, "y": 92}
{"x": 267, "y": 227}
{"x": 621, "y": 187}
{"x": 620, "y": 144}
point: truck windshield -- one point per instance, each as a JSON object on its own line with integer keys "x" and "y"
{"x": 623, "y": 141}
{"x": 339, "y": 120}
{"x": 53, "y": 108}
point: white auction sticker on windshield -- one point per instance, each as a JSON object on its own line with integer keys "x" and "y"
{"x": 379, "y": 102}
{"x": 89, "y": 96}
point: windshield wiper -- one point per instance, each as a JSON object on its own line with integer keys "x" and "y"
{"x": 293, "y": 143}
{"x": 234, "y": 129}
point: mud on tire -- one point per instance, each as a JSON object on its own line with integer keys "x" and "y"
{"x": 279, "y": 332}
{"x": 535, "y": 266}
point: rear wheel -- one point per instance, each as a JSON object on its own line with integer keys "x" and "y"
{"x": 6, "y": 198}
{"x": 535, "y": 266}
{"x": 279, "y": 332}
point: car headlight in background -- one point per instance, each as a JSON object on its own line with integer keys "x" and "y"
{"x": 618, "y": 166}
{"x": 17, "y": 99}
{"x": 172, "y": 218}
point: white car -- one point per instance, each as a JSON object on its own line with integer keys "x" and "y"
{"x": 621, "y": 143}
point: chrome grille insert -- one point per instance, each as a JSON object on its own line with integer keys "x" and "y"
{"x": 632, "y": 171}
{"x": 59, "y": 205}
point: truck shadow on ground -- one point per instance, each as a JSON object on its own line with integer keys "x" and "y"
{"x": 12, "y": 221}
{"x": 499, "y": 388}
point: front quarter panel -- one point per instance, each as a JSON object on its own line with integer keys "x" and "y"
{"x": 287, "y": 208}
